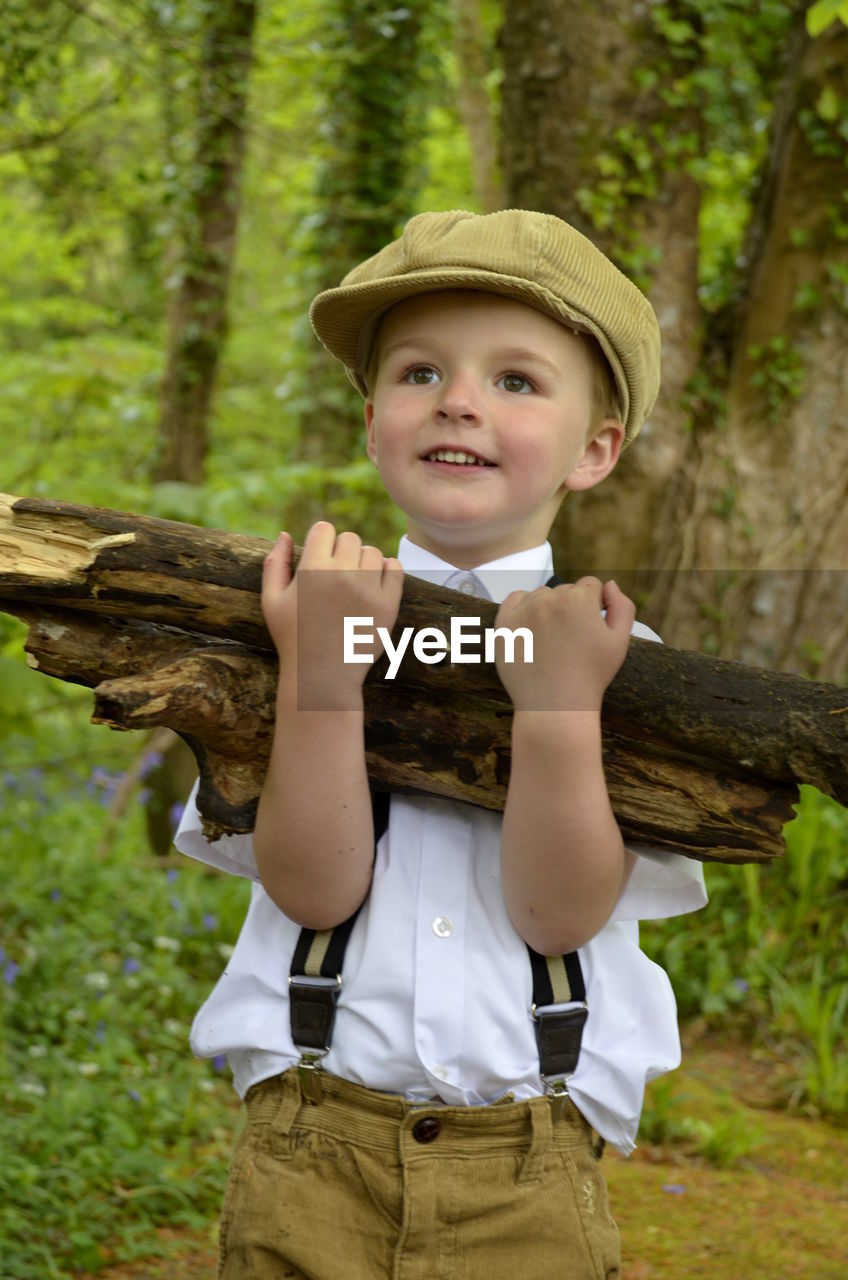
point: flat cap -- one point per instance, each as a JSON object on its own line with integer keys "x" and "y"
{"x": 533, "y": 257}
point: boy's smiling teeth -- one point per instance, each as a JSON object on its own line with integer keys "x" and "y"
{"x": 457, "y": 455}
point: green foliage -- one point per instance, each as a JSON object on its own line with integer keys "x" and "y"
{"x": 713, "y": 68}
{"x": 769, "y": 955}
{"x": 779, "y": 372}
{"x": 109, "y": 1127}
{"x": 669, "y": 1119}
{"x": 824, "y": 12}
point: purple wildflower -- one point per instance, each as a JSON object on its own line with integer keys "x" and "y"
{"x": 11, "y": 969}
{"x": 151, "y": 761}
{"x": 131, "y": 965}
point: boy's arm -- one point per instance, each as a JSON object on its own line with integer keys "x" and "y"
{"x": 314, "y": 834}
{"x": 563, "y": 861}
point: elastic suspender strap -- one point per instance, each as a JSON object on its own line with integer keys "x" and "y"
{"x": 556, "y": 979}
{"x": 315, "y": 977}
{"x": 320, "y": 953}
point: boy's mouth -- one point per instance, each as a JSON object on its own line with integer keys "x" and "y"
{"x": 457, "y": 457}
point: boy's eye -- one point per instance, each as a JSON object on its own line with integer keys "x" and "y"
{"x": 421, "y": 375}
{"x": 516, "y": 383}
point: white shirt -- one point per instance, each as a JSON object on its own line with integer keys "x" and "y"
{"x": 437, "y": 983}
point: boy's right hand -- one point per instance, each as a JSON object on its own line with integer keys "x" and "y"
{"x": 349, "y": 580}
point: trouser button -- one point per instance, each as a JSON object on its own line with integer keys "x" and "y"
{"x": 427, "y": 1130}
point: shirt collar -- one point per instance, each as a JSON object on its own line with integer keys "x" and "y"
{"x": 521, "y": 571}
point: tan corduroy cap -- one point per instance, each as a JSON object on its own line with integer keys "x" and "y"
{"x": 534, "y": 257}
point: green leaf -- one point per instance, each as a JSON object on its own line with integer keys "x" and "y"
{"x": 821, "y": 14}
{"x": 828, "y": 104}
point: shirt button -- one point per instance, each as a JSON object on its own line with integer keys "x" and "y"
{"x": 442, "y": 927}
{"x": 466, "y": 586}
{"x": 426, "y": 1130}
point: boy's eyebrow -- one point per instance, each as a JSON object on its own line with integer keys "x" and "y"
{"x": 520, "y": 355}
{"x": 523, "y": 355}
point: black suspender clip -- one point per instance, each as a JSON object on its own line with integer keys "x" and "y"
{"x": 313, "y": 1015}
{"x": 559, "y": 1031}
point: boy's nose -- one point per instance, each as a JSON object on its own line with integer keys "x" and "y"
{"x": 459, "y": 402}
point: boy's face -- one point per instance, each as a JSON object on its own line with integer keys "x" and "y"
{"x": 495, "y": 379}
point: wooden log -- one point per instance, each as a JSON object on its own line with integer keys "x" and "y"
{"x": 163, "y": 619}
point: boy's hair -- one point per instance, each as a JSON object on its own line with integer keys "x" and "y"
{"x": 532, "y": 257}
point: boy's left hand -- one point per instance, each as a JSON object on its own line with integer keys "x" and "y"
{"x": 576, "y": 650}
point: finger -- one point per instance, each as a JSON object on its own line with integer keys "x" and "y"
{"x": 347, "y": 551}
{"x": 370, "y": 557}
{"x": 621, "y": 610}
{"x": 509, "y": 604}
{"x": 391, "y": 580}
{"x": 593, "y": 585}
{"x": 276, "y": 570}
{"x": 318, "y": 545}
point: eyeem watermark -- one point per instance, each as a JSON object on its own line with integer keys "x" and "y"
{"x": 431, "y": 645}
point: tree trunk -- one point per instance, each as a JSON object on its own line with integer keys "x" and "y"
{"x": 364, "y": 190}
{"x": 773, "y": 486}
{"x": 197, "y": 320}
{"x": 731, "y": 508}
{"x": 473, "y": 70}
{"x": 574, "y": 121}
{"x": 164, "y": 620}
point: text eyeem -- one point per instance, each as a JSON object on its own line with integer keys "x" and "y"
{"x": 430, "y": 644}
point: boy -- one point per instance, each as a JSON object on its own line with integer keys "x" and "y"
{"x": 451, "y": 1122}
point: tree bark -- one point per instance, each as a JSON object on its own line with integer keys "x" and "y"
{"x": 570, "y": 91}
{"x": 197, "y": 320}
{"x": 731, "y": 510}
{"x": 773, "y": 488}
{"x": 164, "y": 621}
{"x": 475, "y": 108}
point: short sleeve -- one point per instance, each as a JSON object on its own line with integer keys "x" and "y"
{"x": 229, "y": 853}
{"x": 662, "y": 883}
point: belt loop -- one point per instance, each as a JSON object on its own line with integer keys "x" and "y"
{"x": 541, "y": 1139}
{"x": 290, "y": 1103}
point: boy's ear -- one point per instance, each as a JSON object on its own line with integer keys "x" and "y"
{"x": 371, "y": 444}
{"x": 600, "y": 456}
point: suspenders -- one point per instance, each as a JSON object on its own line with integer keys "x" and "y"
{"x": 559, "y": 1008}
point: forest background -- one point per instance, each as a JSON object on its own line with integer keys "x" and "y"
{"x": 177, "y": 179}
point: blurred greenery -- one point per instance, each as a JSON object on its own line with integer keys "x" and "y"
{"x": 109, "y": 1127}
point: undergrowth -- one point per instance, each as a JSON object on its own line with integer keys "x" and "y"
{"x": 109, "y": 1126}
{"x": 768, "y": 958}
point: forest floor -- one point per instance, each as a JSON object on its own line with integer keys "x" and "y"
{"x": 779, "y": 1209}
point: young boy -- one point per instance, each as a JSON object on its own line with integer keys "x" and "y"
{"x": 450, "y": 1122}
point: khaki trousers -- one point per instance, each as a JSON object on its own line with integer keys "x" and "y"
{"x": 366, "y": 1185}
